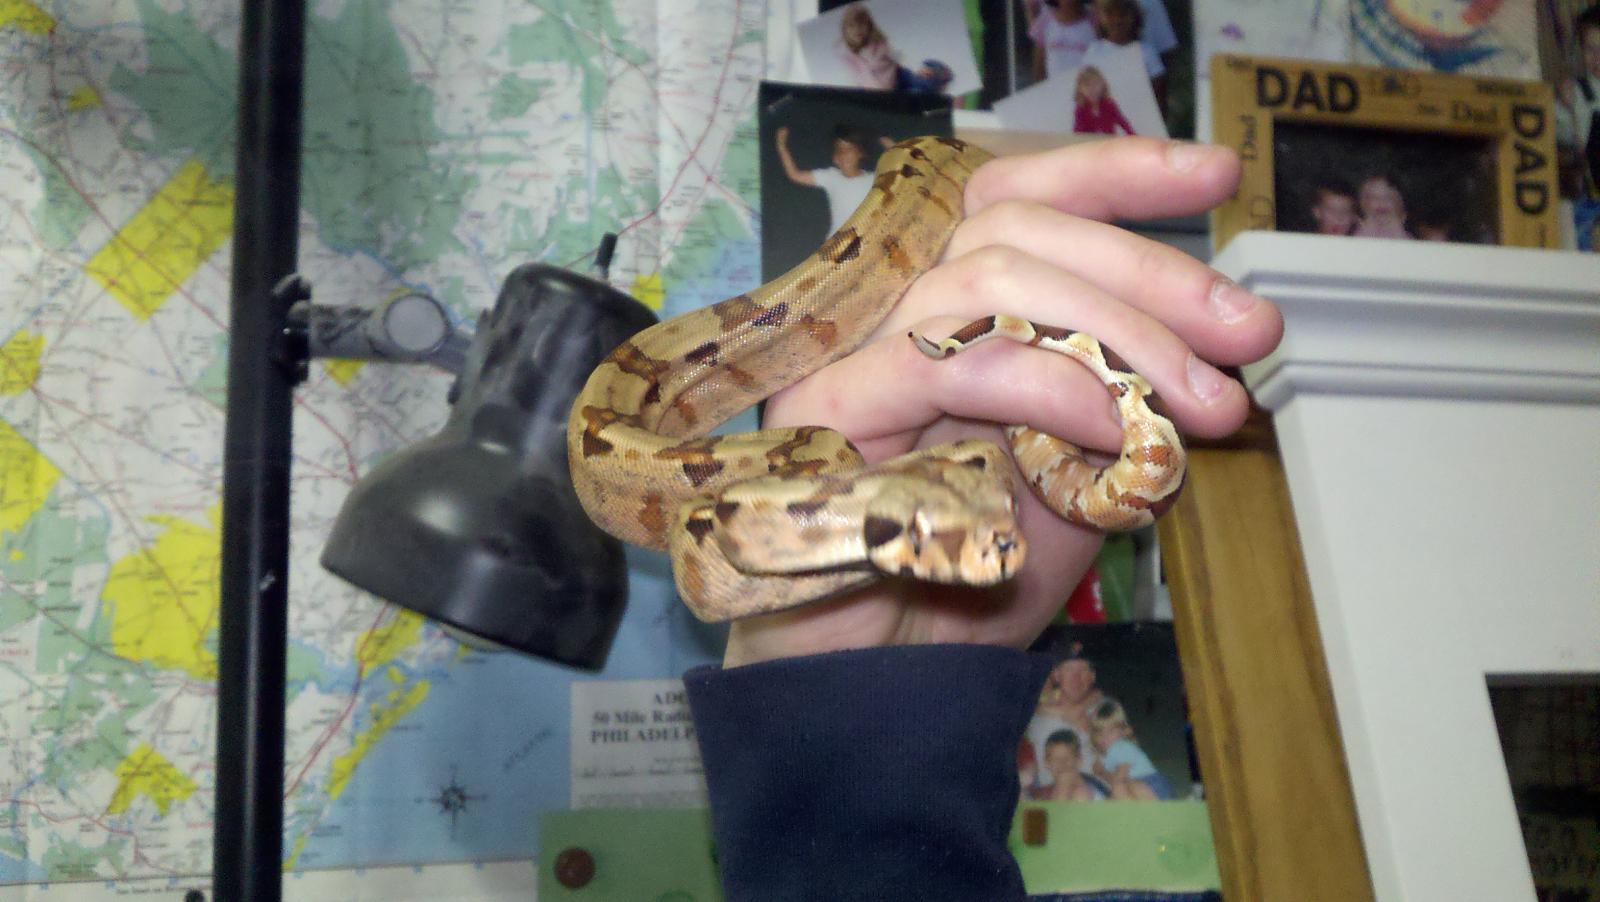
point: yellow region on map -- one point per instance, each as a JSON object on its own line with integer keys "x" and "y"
{"x": 146, "y": 773}
{"x": 649, "y": 290}
{"x": 380, "y": 645}
{"x": 343, "y": 371}
{"x": 166, "y": 241}
{"x": 22, "y": 15}
{"x": 384, "y": 715}
{"x": 84, "y": 98}
{"x": 163, "y": 599}
{"x": 26, "y": 478}
{"x": 294, "y": 856}
{"x": 19, "y": 362}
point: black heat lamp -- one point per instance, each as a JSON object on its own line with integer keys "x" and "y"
{"x": 478, "y": 527}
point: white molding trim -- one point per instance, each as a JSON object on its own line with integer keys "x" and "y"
{"x": 1370, "y": 316}
{"x": 1438, "y": 413}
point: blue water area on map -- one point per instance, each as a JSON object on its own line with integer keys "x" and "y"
{"x": 494, "y": 727}
{"x": 490, "y": 741}
{"x": 17, "y": 870}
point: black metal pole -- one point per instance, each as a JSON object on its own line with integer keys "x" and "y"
{"x": 253, "y": 624}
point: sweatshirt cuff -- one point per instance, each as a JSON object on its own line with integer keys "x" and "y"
{"x": 866, "y": 774}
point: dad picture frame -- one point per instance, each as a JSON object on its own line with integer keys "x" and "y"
{"x": 1439, "y": 156}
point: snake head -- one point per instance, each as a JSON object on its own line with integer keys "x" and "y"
{"x": 945, "y": 536}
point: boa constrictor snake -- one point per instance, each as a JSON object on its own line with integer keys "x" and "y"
{"x": 760, "y": 521}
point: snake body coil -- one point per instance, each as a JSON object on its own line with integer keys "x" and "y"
{"x": 760, "y": 521}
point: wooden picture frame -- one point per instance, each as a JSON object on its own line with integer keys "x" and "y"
{"x": 1494, "y": 139}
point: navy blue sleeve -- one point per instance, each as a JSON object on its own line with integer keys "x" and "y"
{"x": 881, "y": 774}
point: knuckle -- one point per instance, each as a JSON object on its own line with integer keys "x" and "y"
{"x": 990, "y": 268}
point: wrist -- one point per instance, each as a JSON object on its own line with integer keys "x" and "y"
{"x": 867, "y": 618}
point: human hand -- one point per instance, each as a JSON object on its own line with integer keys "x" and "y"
{"x": 783, "y": 135}
{"x": 1036, "y": 244}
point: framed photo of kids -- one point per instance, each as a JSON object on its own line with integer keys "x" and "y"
{"x": 819, "y": 147}
{"x": 1368, "y": 152}
{"x": 1384, "y": 184}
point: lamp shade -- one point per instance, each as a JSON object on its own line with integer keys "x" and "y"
{"x": 478, "y": 527}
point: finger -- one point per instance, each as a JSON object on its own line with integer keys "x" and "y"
{"x": 999, "y": 279}
{"x": 997, "y": 383}
{"x": 1121, "y": 178}
{"x": 918, "y": 401}
{"x": 1218, "y": 319}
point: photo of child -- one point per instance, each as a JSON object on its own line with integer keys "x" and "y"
{"x": 845, "y": 183}
{"x": 1096, "y": 113}
{"x": 1108, "y": 94}
{"x": 1067, "y": 34}
{"x": 1333, "y": 207}
{"x": 1063, "y": 759}
{"x": 1382, "y": 209}
{"x": 1124, "y": 766}
{"x": 1121, "y": 24}
{"x": 819, "y": 147}
{"x": 1377, "y": 183}
{"x": 1061, "y": 31}
{"x": 904, "y": 46}
{"x": 867, "y": 54}
{"x": 1081, "y": 743}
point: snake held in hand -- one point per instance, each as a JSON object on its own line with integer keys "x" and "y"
{"x": 760, "y": 521}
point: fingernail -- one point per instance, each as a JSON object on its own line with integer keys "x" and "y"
{"x": 1229, "y": 302}
{"x": 1183, "y": 156}
{"x": 1205, "y": 380}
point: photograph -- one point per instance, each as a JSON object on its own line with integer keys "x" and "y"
{"x": 1570, "y": 38}
{"x": 917, "y": 46}
{"x": 819, "y": 147}
{"x": 1378, "y": 183}
{"x": 1148, "y": 37}
{"x": 1482, "y": 37}
{"x": 1105, "y": 94}
{"x": 1014, "y": 45}
{"x": 1111, "y": 721}
{"x": 1391, "y": 153}
{"x": 1586, "y": 224}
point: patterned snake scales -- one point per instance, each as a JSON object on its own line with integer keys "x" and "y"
{"x": 760, "y": 521}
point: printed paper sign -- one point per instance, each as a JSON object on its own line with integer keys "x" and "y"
{"x": 633, "y": 746}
